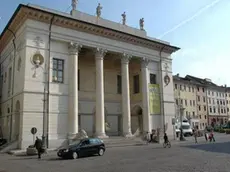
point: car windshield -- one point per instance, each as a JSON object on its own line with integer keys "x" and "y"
{"x": 185, "y": 127}
{"x": 76, "y": 142}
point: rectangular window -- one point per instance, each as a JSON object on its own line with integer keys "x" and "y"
{"x": 119, "y": 88}
{"x": 153, "y": 78}
{"x": 214, "y": 110}
{"x": 210, "y": 109}
{"x": 199, "y": 108}
{"x": 9, "y": 80}
{"x": 203, "y": 90}
{"x": 190, "y": 102}
{"x": 204, "y": 108}
{"x": 189, "y": 89}
{"x": 193, "y": 102}
{"x": 184, "y": 87}
{"x": 136, "y": 83}
{"x": 176, "y": 101}
{"x": 58, "y": 70}
{"x": 198, "y": 98}
{"x": 204, "y": 99}
{"x": 176, "y": 86}
{"x": 185, "y": 102}
{"x": 192, "y": 89}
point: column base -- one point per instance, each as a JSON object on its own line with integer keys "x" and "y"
{"x": 101, "y": 135}
{"x": 128, "y": 135}
{"x": 71, "y": 137}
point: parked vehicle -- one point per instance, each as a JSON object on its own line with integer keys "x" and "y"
{"x": 84, "y": 147}
{"x": 187, "y": 130}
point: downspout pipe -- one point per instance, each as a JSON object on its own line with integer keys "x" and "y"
{"x": 162, "y": 90}
{"x": 12, "y": 85}
{"x": 48, "y": 81}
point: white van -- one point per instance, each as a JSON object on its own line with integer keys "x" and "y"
{"x": 187, "y": 130}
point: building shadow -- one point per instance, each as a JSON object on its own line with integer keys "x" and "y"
{"x": 212, "y": 147}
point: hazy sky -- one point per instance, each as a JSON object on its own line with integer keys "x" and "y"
{"x": 200, "y": 27}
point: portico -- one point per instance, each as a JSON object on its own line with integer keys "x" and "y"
{"x": 99, "y": 55}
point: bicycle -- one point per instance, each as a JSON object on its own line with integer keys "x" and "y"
{"x": 168, "y": 144}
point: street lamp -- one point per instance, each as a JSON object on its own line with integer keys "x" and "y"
{"x": 181, "y": 110}
{"x": 38, "y": 61}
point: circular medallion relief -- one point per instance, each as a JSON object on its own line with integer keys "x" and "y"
{"x": 166, "y": 79}
{"x": 37, "y": 59}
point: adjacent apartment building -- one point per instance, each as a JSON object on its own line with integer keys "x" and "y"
{"x": 212, "y": 101}
{"x": 201, "y": 94}
{"x": 185, "y": 95}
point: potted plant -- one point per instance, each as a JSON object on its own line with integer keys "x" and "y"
{"x": 31, "y": 150}
{"x": 227, "y": 131}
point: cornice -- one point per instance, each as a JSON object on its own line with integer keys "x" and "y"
{"x": 26, "y": 12}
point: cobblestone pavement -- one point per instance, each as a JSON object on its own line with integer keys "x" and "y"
{"x": 185, "y": 157}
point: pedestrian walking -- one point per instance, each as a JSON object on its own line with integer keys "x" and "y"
{"x": 206, "y": 134}
{"x": 195, "y": 134}
{"x": 211, "y": 136}
{"x": 38, "y": 146}
{"x": 147, "y": 137}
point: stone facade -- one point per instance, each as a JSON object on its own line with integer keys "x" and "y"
{"x": 212, "y": 101}
{"x": 186, "y": 95}
{"x": 77, "y": 73}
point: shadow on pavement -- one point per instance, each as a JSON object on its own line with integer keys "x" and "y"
{"x": 212, "y": 147}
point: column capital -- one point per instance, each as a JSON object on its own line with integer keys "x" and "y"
{"x": 125, "y": 58}
{"x": 144, "y": 62}
{"x": 100, "y": 53}
{"x": 74, "y": 48}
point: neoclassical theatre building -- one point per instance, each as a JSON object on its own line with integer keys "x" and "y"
{"x": 63, "y": 72}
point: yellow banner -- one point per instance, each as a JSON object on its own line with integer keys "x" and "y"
{"x": 154, "y": 99}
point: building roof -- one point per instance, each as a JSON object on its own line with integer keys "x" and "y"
{"x": 199, "y": 81}
{"x": 184, "y": 80}
{"x": 24, "y": 12}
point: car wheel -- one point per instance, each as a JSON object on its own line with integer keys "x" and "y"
{"x": 75, "y": 155}
{"x": 101, "y": 152}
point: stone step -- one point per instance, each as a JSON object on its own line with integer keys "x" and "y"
{"x": 123, "y": 142}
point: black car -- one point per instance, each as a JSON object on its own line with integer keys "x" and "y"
{"x": 84, "y": 147}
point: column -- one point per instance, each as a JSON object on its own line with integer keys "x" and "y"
{"x": 145, "y": 96}
{"x": 126, "y": 115}
{"x": 74, "y": 49}
{"x": 100, "y": 106}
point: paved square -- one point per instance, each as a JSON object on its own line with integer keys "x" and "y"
{"x": 185, "y": 157}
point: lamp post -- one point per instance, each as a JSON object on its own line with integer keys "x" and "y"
{"x": 181, "y": 110}
{"x": 37, "y": 64}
